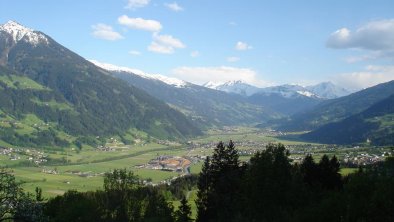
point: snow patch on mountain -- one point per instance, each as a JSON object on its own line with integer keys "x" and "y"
{"x": 212, "y": 85}
{"x": 328, "y": 90}
{"x": 234, "y": 86}
{"x": 20, "y": 32}
{"x": 324, "y": 90}
{"x": 168, "y": 80}
{"x": 306, "y": 93}
{"x": 288, "y": 91}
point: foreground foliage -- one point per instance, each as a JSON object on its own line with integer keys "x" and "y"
{"x": 270, "y": 188}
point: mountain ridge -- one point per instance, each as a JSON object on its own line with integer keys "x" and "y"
{"x": 207, "y": 106}
{"x": 323, "y": 90}
{"x": 338, "y": 109}
{"x": 374, "y": 125}
{"x": 234, "y": 86}
{"x": 100, "y": 104}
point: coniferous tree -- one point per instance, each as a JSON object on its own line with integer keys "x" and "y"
{"x": 329, "y": 172}
{"x": 204, "y": 185}
{"x": 217, "y": 198}
{"x": 309, "y": 171}
{"x": 39, "y": 197}
{"x": 184, "y": 212}
{"x": 268, "y": 185}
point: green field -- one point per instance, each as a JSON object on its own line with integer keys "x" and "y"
{"x": 85, "y": 169}
{"x": 347, "y": 171}
{"x": 21, "y": 82}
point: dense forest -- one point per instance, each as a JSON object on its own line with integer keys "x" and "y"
{"x": 267, "y": 188}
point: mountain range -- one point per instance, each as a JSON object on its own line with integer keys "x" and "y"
{"x": 241, "y": 103}
{"x": 206, "y": 107}
{"x": 285, "y": 99}
{"x": 324, "y": 90}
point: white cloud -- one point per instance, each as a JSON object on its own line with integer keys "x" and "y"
{"x": 195, "y": 54}
{"x": 103, "y": 31}
{"x": 162, "y": 49}
{"x": 370, "y": 76}
{"x": 168, "y": 40}
{"x": 242, "y": 46}
{"x": 139, "y": 23}
{"x": 233, "y": 59}
{"x": 232, "y": 23}
{"x": 201, "y": 75}
{"x": 134, "y": 52}
{"x": 174, "y": 6}
{"x": 165, "y": 44}
{"x": 376, "y": 37}
{"x": 133, "y": 4}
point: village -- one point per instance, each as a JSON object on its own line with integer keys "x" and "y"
{"x": 32, "y": 155}
{"x": 169, "y": 163}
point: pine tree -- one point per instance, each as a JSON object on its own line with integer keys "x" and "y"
{"x": 184, "y": 212}
{"x": 267, "y": 185}
{"x": 218, "y": 185}
{"x": 204, "y": 185}
{"x": 309, "y": 170}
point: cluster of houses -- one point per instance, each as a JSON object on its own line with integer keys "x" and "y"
{"x": 362, "y": 159}
{"x": 211, "y": 145}
{"x": 50, "y": 171}
{"x": 167, "y": 143}
{"x": 10, "y": 152}
{"x": 271, "y": 133}
{"x": 105, "y": 148}
{"x": 18, "y": 153}
{"x": 248, "y": 152}
{"x": 168, "y": 163}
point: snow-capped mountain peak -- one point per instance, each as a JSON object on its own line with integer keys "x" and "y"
{"x": 212, "y": 85}
{"x": 168, "y": 80}
{"x": 20, "y": 32}
{"x": 233, "y": 86}
{"x": 289, "y": 91}
{"x": 328, "y": 90}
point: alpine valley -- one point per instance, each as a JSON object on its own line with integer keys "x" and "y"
{"x": 196, "y": 111}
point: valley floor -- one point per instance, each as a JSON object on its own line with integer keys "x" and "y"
{"x": 58, "y": 171}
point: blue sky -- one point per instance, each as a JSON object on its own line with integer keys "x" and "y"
{"x": 261, "y": 42}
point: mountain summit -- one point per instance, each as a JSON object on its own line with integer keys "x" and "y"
{"x": 233, "y": 86}
{"x": 18, "y": 32}
{"x": 328, "y": 90}
{"x": 167, "y": 80}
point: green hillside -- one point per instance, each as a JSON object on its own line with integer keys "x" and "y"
{"x": 205, "y": 106}
{"x": 73, "y": 101}
{"x": 335, "y": 110}
{"x": 374, "y": 125}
